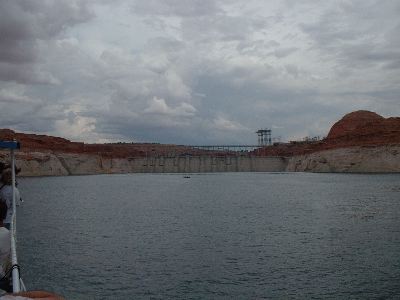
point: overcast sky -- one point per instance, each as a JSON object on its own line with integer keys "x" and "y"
{"x": 195, "y": 71}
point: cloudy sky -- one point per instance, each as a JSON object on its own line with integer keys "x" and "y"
{"x": 195, "y": 71}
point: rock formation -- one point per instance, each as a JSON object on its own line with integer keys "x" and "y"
{"x": 364, "y": 128}
{"x": 373, "y": 159}
{"x": 361, "y": 141}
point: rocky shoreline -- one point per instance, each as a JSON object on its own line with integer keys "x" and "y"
{"x": 372, "y": 159}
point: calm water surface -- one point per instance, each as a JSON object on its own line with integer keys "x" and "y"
{"x": 212, "y": 236}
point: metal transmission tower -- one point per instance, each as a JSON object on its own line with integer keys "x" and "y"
{"x": 264, "y": 137}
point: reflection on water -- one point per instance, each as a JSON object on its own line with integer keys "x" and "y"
{"x": 238, "y": 235}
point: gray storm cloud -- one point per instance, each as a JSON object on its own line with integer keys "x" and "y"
{"x": 194, "y": 71}
{"x": 25, "y": 26}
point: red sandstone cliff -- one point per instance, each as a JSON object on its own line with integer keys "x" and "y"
{"x": 359, "y": 128}
{"x": 362, "y": 127}
{"x": 51, "y": 144}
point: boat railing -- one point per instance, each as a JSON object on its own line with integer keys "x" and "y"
{"x": 17, "y": 283}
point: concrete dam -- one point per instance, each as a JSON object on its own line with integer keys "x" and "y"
{"x": 50, "y": 164}
{"x": 207, "y": 163}
{"x": 225, "y": 158}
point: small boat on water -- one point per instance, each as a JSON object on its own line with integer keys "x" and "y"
{"x": 14, "y": 272}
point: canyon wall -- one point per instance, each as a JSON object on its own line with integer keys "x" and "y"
{"x": 383, "y": 159}
{"x": 58, "y": 164}
{"x": 362, "y": 159}
{"x": 361, "y": 141}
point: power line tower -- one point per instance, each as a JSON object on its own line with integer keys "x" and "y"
{"x": 264, "y": 137}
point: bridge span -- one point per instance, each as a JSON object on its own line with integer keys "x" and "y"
{"x": 196, "y": 150}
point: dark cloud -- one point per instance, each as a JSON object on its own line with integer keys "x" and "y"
{"x": 21, "y": 111}
{"x": 231, "y": 79}
{"x": 179, "y": 8}
{"x": 24, "y": 25}
{"x": 194, "y": 71}
{"x": 202, "y": 21}
{"x": 25, "y": 74}
{"x": 283, "y": 52}
{"x": 220, "y": 27}
{"x": 358, "y": 33}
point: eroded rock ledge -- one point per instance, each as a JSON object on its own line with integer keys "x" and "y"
{"x": 372, "y": 159}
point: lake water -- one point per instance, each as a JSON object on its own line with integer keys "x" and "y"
{"x": 212, "y": 236}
